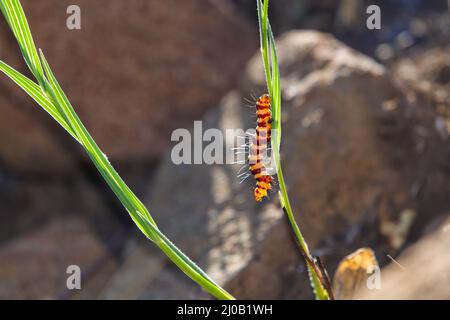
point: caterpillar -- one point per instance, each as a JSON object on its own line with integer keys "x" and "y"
{"x": 258, "y": 148}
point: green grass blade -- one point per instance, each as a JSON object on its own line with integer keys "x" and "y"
{"x": 262, "y": 19}
{"x": 272, "y": 72}
{"x": 98, "y": 157}
{"x": 52, "y": 98}
{"x": 36, "y": 93}
{"x": 15, "y": 17}
{"x": 276, "y": 91}
{"x": 187, "y": 265}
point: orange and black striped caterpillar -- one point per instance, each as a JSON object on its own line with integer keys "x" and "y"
{"x": 258, "y": 148}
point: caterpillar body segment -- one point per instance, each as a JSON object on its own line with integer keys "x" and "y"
{"x": 258, "y": 148}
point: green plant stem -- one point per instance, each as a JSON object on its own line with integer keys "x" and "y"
{"x": 319, "y": 281}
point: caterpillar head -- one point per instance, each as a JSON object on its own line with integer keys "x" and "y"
{"x": 259, "y": 194}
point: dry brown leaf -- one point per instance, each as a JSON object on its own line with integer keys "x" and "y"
{"x": 353, "y": 272}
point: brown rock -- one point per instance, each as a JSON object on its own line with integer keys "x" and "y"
{"x": 421, "y": 272}
{"x": 34, "y": 266}
{"x": 29, "y": 143}
{"x": 29, "y": 204}
{"x": 171, "y": 284}
{"x": 134, "y": 72}
{"x": 429, "y": 69}
{"x": 349, "y": 157}
{"x": 220, "y": 226}
{"x": 143, "y": 262}
{"x": 247, "y": 246}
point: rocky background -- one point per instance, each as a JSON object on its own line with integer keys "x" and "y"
{"x": 365, "y": 148}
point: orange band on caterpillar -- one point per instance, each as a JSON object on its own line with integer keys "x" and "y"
{"x": 258, "y": 148}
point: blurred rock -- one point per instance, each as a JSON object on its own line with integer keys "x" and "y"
{"x": 429, "y": 69}
{"x": 171, "y": 283}
{"x": 421, "y": 272}
{"x": 397, "y": 232}
{"x": 340, "y": 175}
{"x": 147, "y": 274}
{"x": 29, "y": 143}
{"x": 33, "y": 266}
{"x": 135, "y": 71}
{"x": 29, "y": 204}
{"x": 142, "y": 262}
{"x": 341, "y": 172}
{"x": 215, "y": 220}
{"x": 356, "y": 162}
